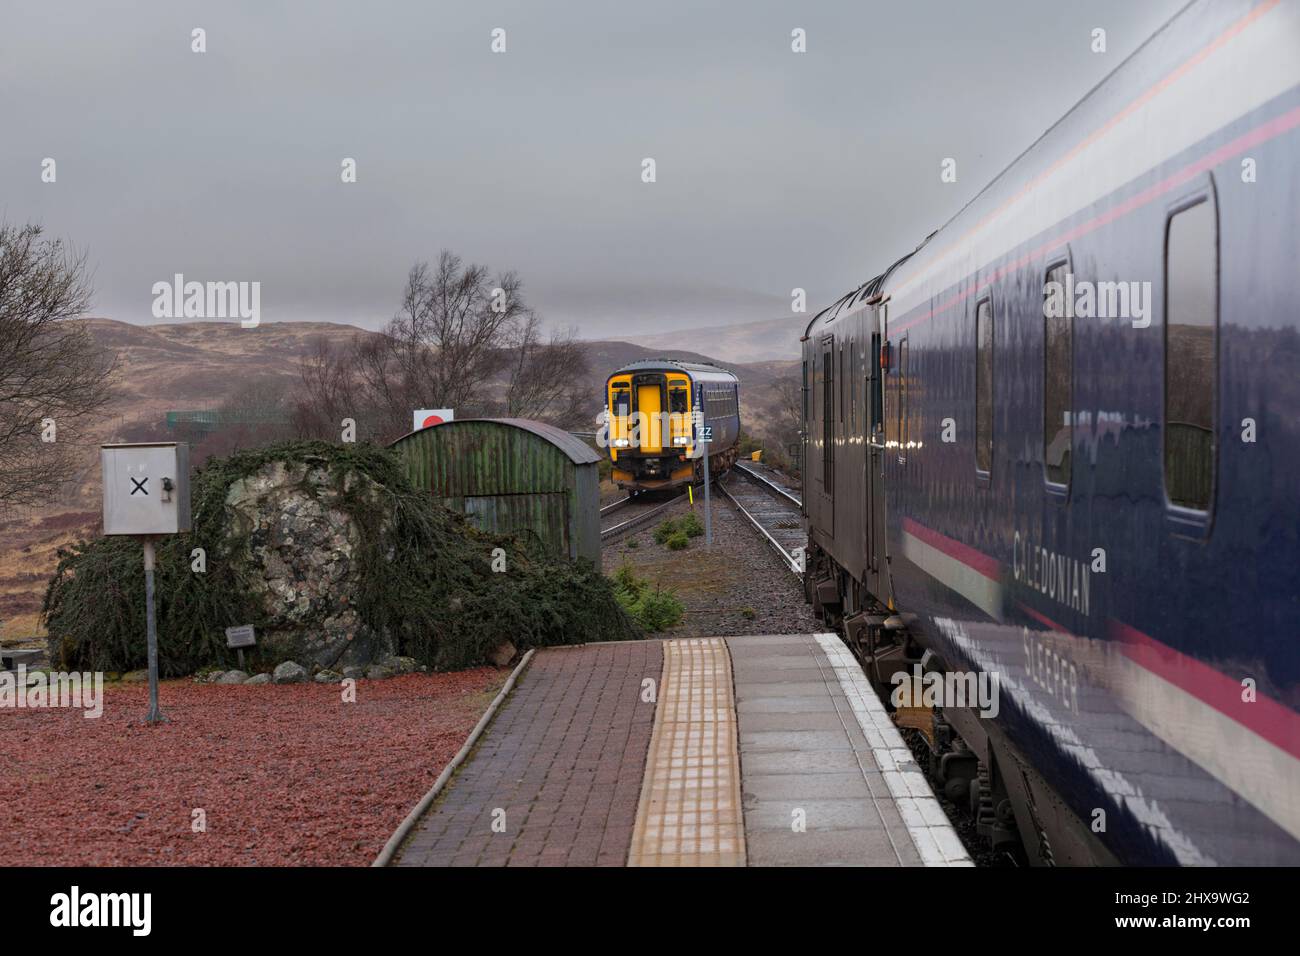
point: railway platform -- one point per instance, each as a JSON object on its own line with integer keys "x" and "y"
{"x": 761, "y": 750}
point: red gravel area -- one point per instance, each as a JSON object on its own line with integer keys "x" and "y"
{"x": 287, "y": 775}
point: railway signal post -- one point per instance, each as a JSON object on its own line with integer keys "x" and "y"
{"x": 704, "y": 436}
{"x": 146, "y": 496}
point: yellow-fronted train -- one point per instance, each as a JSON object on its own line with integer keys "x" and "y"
{"x": 659, "y": 414}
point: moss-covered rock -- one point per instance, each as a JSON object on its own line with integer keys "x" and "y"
{"x": 336, "y": 560}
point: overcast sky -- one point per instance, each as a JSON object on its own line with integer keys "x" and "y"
{"x": 774, "y": 169}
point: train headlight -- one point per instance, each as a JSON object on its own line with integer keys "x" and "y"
{"x": 681, "y": 440}
{"x": 619, "y": 443}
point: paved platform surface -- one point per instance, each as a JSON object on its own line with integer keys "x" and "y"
{"x": 556, "y": 778}
{"x": 765, "y": 750}
{"x": 813, "y": 792}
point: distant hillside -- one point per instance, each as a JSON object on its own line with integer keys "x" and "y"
{"x": 770, "y": 339}
{"x": 199, "y": 365}
{"x": 604, "y": 357}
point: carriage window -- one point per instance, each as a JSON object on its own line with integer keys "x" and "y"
{"x": 828, "y": 419}
{"x": 903, "y": 428}
{"x": 1058, "y": 379}
{"x": 874, "y": 383}
{"x": 805, "y": 390}
{"x": 984, "y": 385}
{"x": 853, "y": 386}
{"x": 842, "y": 416}
{"x": 1191, "y": 364}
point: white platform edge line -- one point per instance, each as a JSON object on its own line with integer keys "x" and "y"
{"x": 934, "y": 837}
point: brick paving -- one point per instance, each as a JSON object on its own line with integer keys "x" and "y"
{"x": 766, "y": 750}
{"x": 558, "y": 771}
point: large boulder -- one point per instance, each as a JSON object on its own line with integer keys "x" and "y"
{"x": 299, "y": 548}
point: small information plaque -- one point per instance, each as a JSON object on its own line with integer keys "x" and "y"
{"x": 241, "y": 636}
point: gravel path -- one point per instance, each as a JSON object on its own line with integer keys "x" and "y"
{"x": 739, "y": 587}
{"x": 287, "y": 775}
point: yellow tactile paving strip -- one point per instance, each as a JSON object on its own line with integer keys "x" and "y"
{"x": 689, "y": 812}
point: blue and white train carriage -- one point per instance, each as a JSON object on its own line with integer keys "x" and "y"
{"x": 1060, "y": 443}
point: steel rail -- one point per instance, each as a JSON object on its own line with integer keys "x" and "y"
{"x": 614, "y": 506}
{"x": 786, "y": 556}
{"x": 607, "y": 533}
{"x": 771, "y": 485}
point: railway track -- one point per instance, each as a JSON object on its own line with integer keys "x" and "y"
{"x": 616, "y": 505}
{"x": 772, "y": 509}
{"x": 762, "y": 474}
{"x": 640, "y": 509}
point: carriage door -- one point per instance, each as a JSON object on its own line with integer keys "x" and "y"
{"x": 874, "y": 408}
{"x": 828, "y": 433}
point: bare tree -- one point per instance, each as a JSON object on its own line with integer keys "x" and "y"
{"x": 53, "y": 377}
{"x": 789, "y": 404}
{"x": 787, "y": 417}
{"x": 329, "y": 390}
{"x": 547, "y": 378}
{"x": 452, "y": 328}
{"x": 461, "y": 340}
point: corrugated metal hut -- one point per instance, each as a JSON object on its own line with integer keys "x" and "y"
{"x": 512, "y": 475}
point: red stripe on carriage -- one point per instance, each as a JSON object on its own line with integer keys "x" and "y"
{"x": 977, "y": 560}
{"x": 1268, "y": 718}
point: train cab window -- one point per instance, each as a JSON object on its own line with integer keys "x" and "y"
{"x": 622, "y": 402}
{"x": 1191, "y": 355}
{"x": 984, "y": 385}
{"x": 1058, "y": 382}
{"x": 677, "y": 399}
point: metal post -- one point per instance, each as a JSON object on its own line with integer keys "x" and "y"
{"x": 708, "y": 510}
{"x": 155, "y": 715}
{"x": 708, "y": 507}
